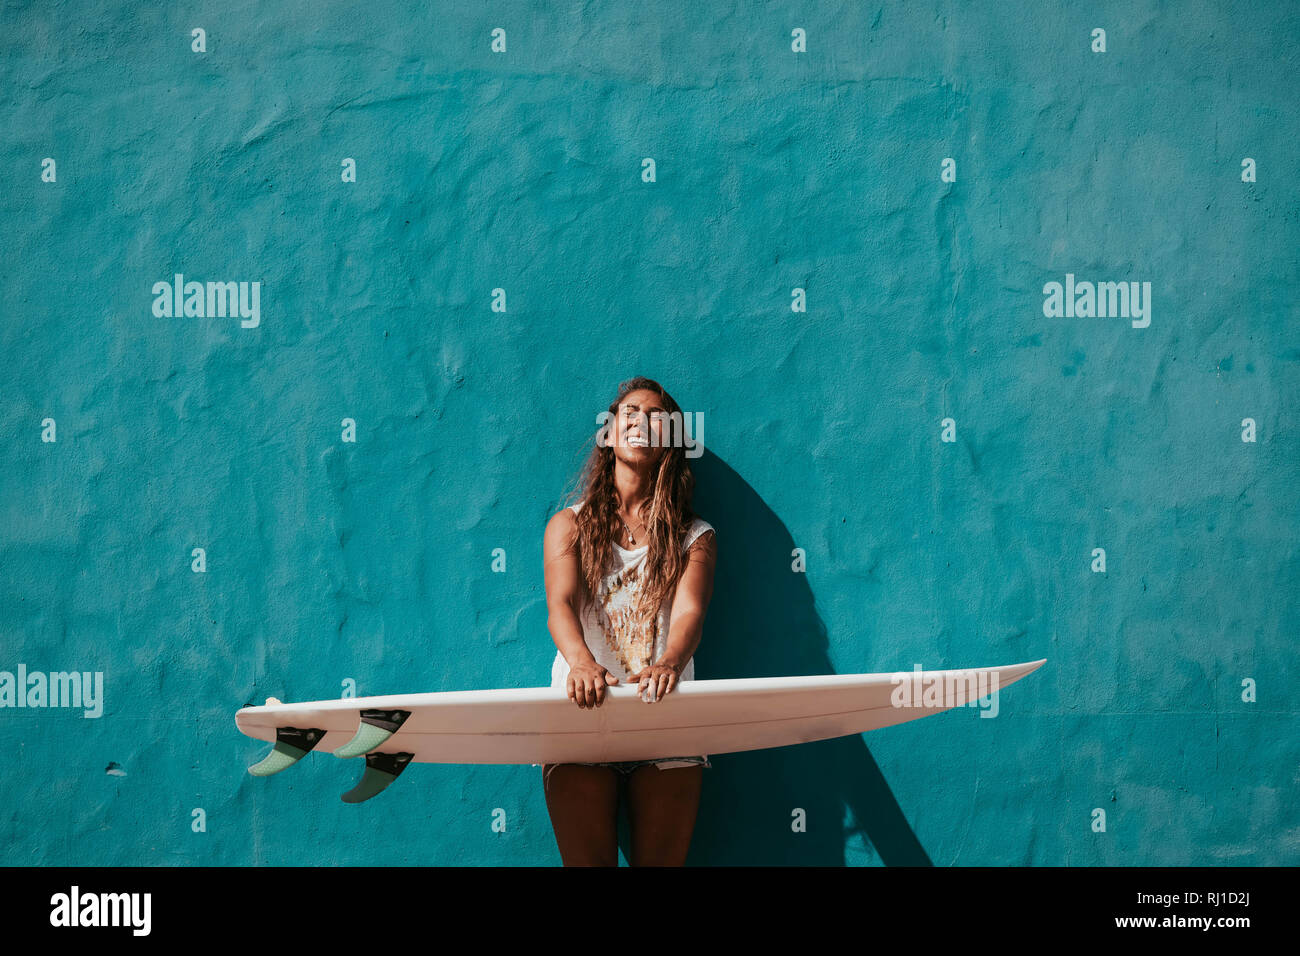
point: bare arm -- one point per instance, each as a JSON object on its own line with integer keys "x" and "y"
{"x": 587, "y": 679}
{"x": 686, "y": 623}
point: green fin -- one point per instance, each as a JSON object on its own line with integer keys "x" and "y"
{"x": 381, "y": 770}
{"x": 376, "y": 727}
{"x": 291, "y": 745}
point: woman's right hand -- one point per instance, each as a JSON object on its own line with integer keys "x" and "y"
{"x": 586, "y": 684}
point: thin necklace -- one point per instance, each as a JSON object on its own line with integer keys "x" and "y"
{"x": 629, "y": 531}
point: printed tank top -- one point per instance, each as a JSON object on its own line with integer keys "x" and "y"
{"x": 608, "y": 627}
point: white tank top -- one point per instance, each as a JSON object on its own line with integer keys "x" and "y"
{"x": 608, "y": 628}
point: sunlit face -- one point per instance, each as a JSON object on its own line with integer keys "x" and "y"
{"x": 640, "y": 432}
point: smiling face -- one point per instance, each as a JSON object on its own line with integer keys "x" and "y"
{"x": 640, "y": 431}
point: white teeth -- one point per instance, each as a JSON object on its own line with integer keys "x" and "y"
{"x": 638, "y": 441}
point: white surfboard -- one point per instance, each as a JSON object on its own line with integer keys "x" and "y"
{"x": 535, "y": 725}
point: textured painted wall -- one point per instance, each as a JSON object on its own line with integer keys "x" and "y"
{"x": 822, "y": 170}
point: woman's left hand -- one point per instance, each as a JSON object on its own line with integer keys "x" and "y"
{"x": 659, "y": 679}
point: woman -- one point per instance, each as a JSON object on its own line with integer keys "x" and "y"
{"x": 629, "y": 574}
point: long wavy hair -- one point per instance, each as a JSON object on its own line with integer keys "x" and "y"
{"x": 666, "y": 513}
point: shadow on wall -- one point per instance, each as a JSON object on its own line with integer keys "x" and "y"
{"x": 762, "y": 622}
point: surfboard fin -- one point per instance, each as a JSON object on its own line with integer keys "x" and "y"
{"x": 376, "y": 727}
{"x": 381, "y": 770}
{"x": 291, "y": 745}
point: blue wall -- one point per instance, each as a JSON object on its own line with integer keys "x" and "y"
{"x": 371, "y": 560}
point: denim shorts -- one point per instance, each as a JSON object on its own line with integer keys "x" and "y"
{"x": 625, "y": 767}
